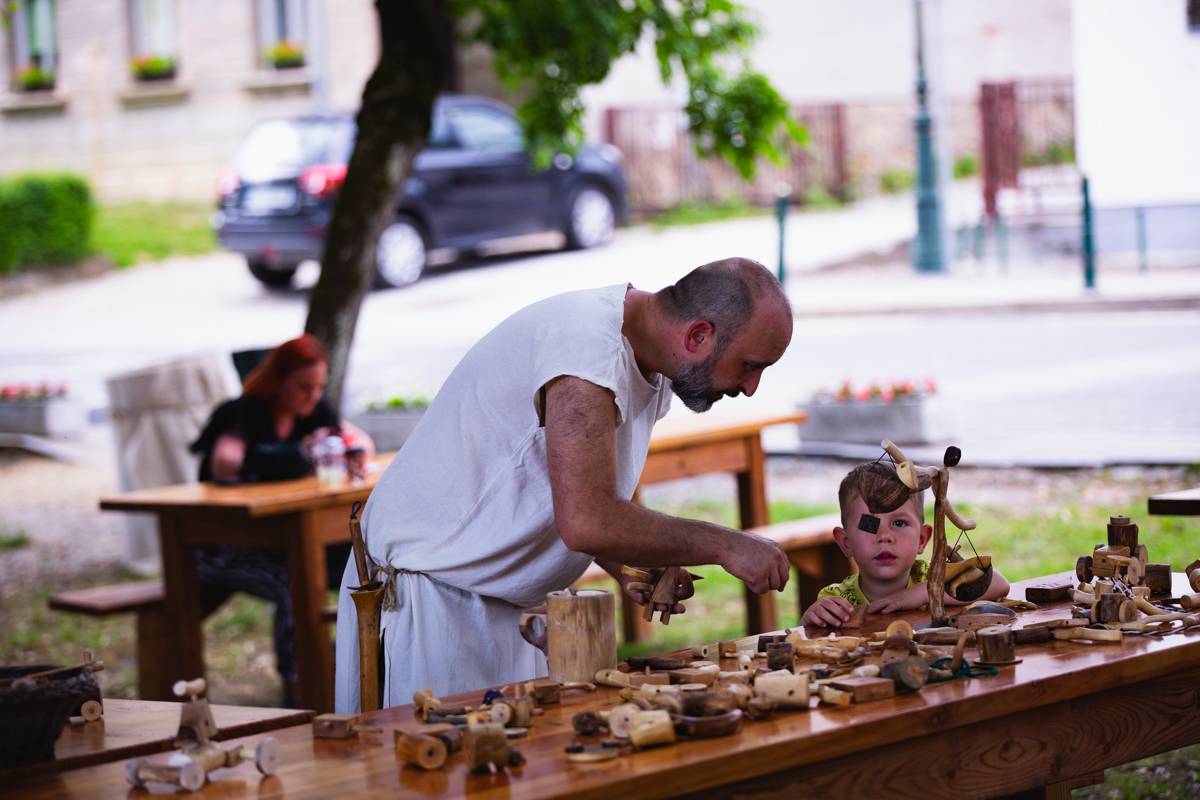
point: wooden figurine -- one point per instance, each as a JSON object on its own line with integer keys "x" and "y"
{"x": 424, "y": 703}
{"x": 917, "y": 478}
{"x": 664, "y": 595}
{"x": 486, "y": 747}
{"x": 198, "y": 755}
{"x": 427, "y": 747}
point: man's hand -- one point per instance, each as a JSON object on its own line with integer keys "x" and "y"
{"x": 634, "y": 588}
{"x": 757, "y": 561}
{"x": 913, "y": 597}
{"x": 830, "y": 611}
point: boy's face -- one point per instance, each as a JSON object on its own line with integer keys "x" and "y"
{"x": 889, "y": 552}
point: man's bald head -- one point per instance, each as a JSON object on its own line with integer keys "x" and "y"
{"x": 726, "y": 293}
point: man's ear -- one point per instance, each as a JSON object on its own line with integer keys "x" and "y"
{"x": 700, "y": 338}
{"x": 839, "y": 536}
{"x": 926, "y": 532}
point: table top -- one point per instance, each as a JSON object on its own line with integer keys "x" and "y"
{"x": 1184, "y": 503}
{"x": 677, "y": 433}
{"x": 305, "y": 494}
{"x": 249, "y": 499}
{"x": 1048, "y": 674}
{"x": 140, "y": 727}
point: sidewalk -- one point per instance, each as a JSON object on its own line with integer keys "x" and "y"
{"x": 1047, "y": 286}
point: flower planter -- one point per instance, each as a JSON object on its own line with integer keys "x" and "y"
{"x": 904, "y": 420}
{"x": 50, "y": 416}
{"x": 388, "y": 428}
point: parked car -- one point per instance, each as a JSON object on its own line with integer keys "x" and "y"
{"x": 473, "y": 183}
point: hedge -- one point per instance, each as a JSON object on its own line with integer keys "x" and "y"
{"x": 44, "y": 219}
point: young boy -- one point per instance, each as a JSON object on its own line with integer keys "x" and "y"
{"x": 882, "y": 530}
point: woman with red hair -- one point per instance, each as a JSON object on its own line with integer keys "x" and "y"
{"x": 265, "y": 434}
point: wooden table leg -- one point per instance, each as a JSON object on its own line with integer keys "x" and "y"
{"x": 761, "y": 611}
{"x": 306, "y": 572}
{"x": 184, "y": 659}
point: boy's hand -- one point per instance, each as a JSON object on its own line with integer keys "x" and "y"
{"x": 909, "y": 599}
{"x": 829, "y": 611}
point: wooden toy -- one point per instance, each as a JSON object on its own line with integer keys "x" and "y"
{"x": 486, "y": 748}
{"x": 1192, "y": 571}
{"x": 427, "y": 747}
{"x": 908, "y": 674}
{"x": 834, "y": 697}
{"x": 1123, "y": 557}
{"x": 1049, "y": 591}
{"x": 782, "y": 688}
{"x": 335, "y": 726}
{"x": 650, "y": 728}
{"x": 780, "y": 656}
{"x": 982, "y": 615}
{"x": 997, "y": 646}
{"x": 1158, "y": 579}
{"x": 917, "y": 478}
{"x": 90, "y": 709}
{"x": 725, "y": 723}
{"x": 198, "y": 755}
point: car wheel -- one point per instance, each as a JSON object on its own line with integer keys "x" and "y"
{"x": 271, "y": 277}
{"x": 400, "y": 254}
{"x": 591, "y": 218}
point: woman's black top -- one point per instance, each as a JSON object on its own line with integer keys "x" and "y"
{"x": 268, "y": 458}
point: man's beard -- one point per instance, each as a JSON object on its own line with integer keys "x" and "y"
{"x": 693, "y": 385}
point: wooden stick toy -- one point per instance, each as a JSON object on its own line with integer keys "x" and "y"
{"x": 916, "y": 479}
{"x": 427, "y": 747}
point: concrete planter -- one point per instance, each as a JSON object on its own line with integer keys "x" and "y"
{"x": 56, "y": 417}
{"x": 389, "y": 428}
{"x": 904, "y": 421}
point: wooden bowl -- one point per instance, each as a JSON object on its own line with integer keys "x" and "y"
{"x": 33, "y": 715}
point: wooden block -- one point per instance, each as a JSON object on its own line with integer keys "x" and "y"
{"x": 780, "y": 656}
{"x": 1108, "y": 610}
{"x": 770, "y": 638}
{"x": 1050, "y": 591}
{"x": 694, "y": 675}
{"x": 334, "y": 726}
{"x": 996, "y": 644}
{"x": 1122, "y": 532}
{"x": 544, "y": 691}
{"x": 865, "y": 690}
{"x": 728, "y": 649}
{"x": 637, "y": 679}
{"x": 1158, "y": 579}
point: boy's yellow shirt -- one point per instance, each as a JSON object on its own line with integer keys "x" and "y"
{"x": 850, "y": 589}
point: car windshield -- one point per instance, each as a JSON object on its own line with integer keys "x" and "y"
{"x": 280, "y": 148}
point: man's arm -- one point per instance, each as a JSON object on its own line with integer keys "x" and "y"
{"x": 581, "y": 448}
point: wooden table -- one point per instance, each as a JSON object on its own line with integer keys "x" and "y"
{"x": 141, "y": 727}
{"x": 700, "y": 447}
{"x": 299, "y": 517}
{"x": 1066, "y": 712}
{"x": 1177, "y": 504}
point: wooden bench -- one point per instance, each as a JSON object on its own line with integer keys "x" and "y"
{"x": 144, "y": 599}
{"x": 809, "y": 546}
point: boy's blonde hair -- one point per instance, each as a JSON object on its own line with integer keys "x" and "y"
{"x": 880, "y": 488}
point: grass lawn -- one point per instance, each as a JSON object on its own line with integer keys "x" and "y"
{"x": 132, "y": 232}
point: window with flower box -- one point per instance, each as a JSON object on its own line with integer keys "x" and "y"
{"x": 154, "y": 55}
{"x": 282, "y": 36}
{"x": 33, "y": 37}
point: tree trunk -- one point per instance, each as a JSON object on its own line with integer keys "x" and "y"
{"x": 416, "y": 55}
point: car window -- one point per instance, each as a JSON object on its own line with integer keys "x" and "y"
{"x": 279, "y": 146}
{"x": 485, "y": 128}
{"x": 441, "y": 135}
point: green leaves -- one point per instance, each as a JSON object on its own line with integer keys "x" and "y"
{"x": 547, "y": 50}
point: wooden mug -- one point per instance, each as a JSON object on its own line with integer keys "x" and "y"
{"x": 580, "y": 636}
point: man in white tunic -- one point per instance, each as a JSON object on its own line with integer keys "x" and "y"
{"x": 522, "y": 470}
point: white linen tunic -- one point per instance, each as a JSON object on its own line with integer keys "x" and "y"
{"x": 465, "y": 509}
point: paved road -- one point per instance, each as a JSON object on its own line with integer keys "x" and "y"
{"x": 1040, "y": 388}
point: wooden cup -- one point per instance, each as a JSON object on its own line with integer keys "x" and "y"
{"x": 580, "y": 636}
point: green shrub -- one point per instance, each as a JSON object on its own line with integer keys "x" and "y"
{"x": 966, "y": 166}
{"x": 44, "y": 219}
{"x": 894, "y": 181}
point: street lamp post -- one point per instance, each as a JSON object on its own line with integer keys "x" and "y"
{"x": 927, "y": 255}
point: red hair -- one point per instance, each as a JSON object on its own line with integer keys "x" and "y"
{"x": 264, "y": 381}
